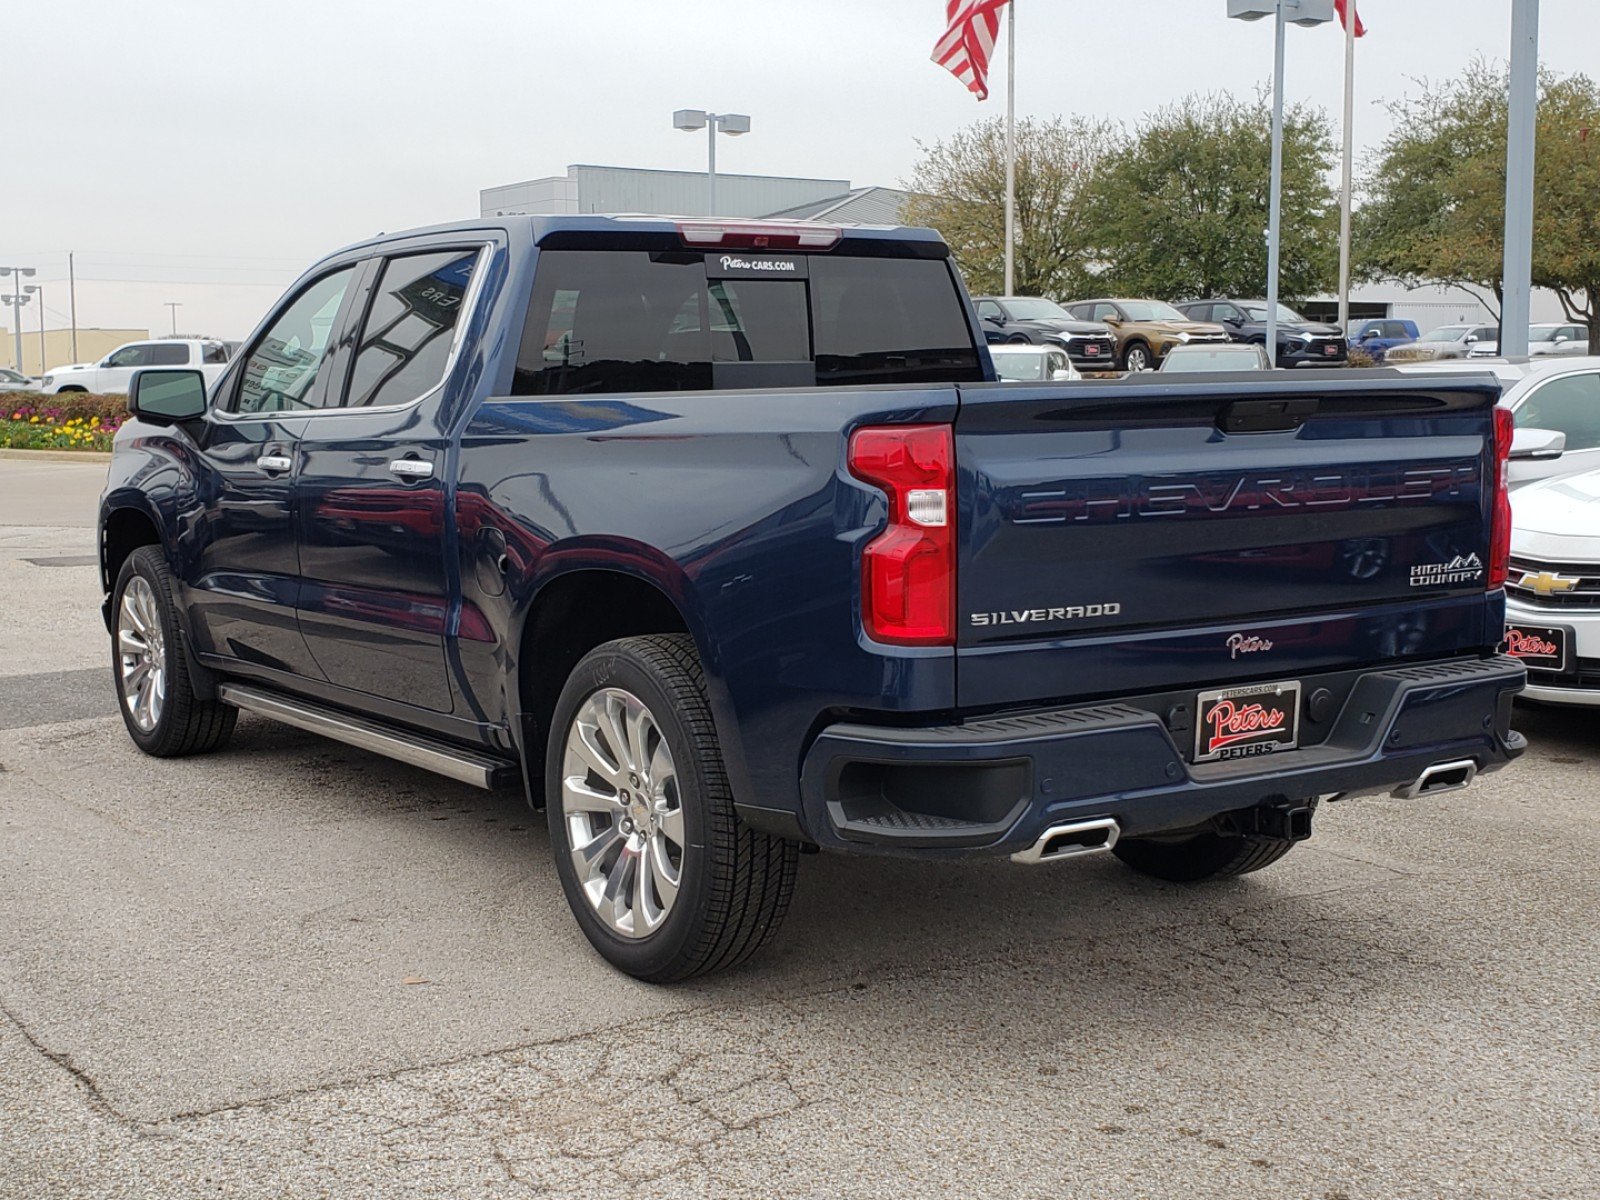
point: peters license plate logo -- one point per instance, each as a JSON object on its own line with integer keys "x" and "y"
{"x": 1244, "y": 721}
{"x": 1542, "y": 649}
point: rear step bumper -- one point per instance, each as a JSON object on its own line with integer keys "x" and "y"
{"x": 1010, "y": 785}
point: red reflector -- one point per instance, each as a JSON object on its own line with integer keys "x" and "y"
{"x": 908, "y": 572}
{"x": 1500, "y": 522}
{"x": 764, "y": 235}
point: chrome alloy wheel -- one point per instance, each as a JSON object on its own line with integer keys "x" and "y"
{"x": 141, "y": 654}
{"x": 622, "y": 812}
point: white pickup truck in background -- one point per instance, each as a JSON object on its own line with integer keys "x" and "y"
{"x": 112, "y": 373}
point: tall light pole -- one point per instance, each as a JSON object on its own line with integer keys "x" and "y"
{"x": 1517, "y": 271}
{"x": 173, "y": 306}
{"x": 37, "y": 289}
{"x": 1309, "y": 13}
{"x": 691, "y": 120}
{"x": 16, "y": 299}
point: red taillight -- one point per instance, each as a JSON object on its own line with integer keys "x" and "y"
{"x": 908, "y": 572}
{"x": 1500, "y": 527}
{"x": 759, "y": 235}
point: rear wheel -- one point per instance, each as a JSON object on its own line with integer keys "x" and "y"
{"x": 1137, "y": 358}
{"x": 664, "y": 879}
{"x": 164, "y": 715}
{"x": 1201, "y": 856}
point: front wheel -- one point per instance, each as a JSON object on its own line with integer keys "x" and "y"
{"x": 1201, "y": 856}
{"x": 164, "y": 715}
{"x": 663, "y": 878}
{"x": 1137, "y": 358}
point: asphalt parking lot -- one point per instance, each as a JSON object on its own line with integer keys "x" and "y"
{"x": 297, "y": 970}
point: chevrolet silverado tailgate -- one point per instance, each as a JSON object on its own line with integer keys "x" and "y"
{"x": 1139, "y": 534}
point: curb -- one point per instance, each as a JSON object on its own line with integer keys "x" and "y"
{"x": 93, "y": 456}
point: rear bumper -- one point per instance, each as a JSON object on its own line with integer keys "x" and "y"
{"x": 994, "y": 786}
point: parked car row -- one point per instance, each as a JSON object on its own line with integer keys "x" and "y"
{"x": 1137, "y": 335}
{"x": 1544, "y": 341}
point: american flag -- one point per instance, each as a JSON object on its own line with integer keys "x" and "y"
{"x": 1347, "y": 9}
{"x": 966, "y": 45}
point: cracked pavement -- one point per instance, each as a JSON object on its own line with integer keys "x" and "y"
{"x": 297, "y": 970}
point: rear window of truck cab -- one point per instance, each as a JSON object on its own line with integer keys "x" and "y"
{"x": 639, "y": 320}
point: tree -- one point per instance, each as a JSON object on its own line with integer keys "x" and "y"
{"x": 1184, "y": 211}
{"x": 1435, "y": 204}
{"x": 1435, "y": 201}
{"x": 959, "y": 188}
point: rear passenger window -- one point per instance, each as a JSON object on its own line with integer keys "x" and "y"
{"x": 410, "y": 328}
{"x": 168, "y": 354}
{"x": 605, "y": 321}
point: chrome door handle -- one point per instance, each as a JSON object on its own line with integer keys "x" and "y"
{"x": 274, "y": 462}
{"x": 411, "y": 468}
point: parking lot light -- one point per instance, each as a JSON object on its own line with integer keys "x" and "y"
{"x": 690, "y": 120}
{"x": 17, "y": 299}
{"x": 1309, "y": 13}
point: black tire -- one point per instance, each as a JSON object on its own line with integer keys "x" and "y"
{"x": 1138, "y": 352}
{"x": 186, "y": 724}
{"x": 1204, "y": 856}
{"x": 735, "y": 883}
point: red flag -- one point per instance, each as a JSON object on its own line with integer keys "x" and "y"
{"x": 1346, "y": 7}
{"x": 965, "y": 48}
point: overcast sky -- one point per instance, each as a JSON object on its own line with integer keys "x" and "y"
{"x": 205, "y": 152}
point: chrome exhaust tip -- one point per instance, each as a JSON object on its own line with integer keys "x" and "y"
{"x": 1441, "y": 777}
{"x": 1070, "y": 840}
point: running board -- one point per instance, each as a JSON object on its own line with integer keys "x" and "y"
{"x": 468, "y": 766}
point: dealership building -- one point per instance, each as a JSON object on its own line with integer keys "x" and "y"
{"x": 594, "y": 189}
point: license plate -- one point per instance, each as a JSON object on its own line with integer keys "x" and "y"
{"x": 1538, "y": 647}
{"x": 1330, "y": 349}
{"x": 1091, "y": 351}
{"x": 1241, "y": 722}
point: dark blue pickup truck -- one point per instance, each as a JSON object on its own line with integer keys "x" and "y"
{"x": 722, "y": 542}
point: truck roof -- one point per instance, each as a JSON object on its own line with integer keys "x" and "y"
{"x": 537, "y": 227}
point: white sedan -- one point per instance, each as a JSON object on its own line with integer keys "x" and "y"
{"x": 1553, "y": 593}
{"x": 16, "y": 381}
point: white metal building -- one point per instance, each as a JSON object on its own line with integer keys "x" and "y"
{"x": 593, "y": 189}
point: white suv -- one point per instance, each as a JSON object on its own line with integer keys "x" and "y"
{"x": 112, "y": 373}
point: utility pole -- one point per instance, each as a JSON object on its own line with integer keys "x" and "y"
{"x": 72, "y": 297}
{"x": 1011, "y": 148}
{"x": 16, "y": 299}
{"x": 1516, "y": 280}
{"x": 173, "y": 306}
{"x": 1345, "y": 198}
{"x": 1275, "y": 204}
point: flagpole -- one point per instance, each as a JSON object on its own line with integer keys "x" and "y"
{"x": 1350, "y": 19}
{"x": 1011, "y": 147}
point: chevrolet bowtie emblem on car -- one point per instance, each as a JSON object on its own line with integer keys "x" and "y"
{"x": 1547, "y": 583}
